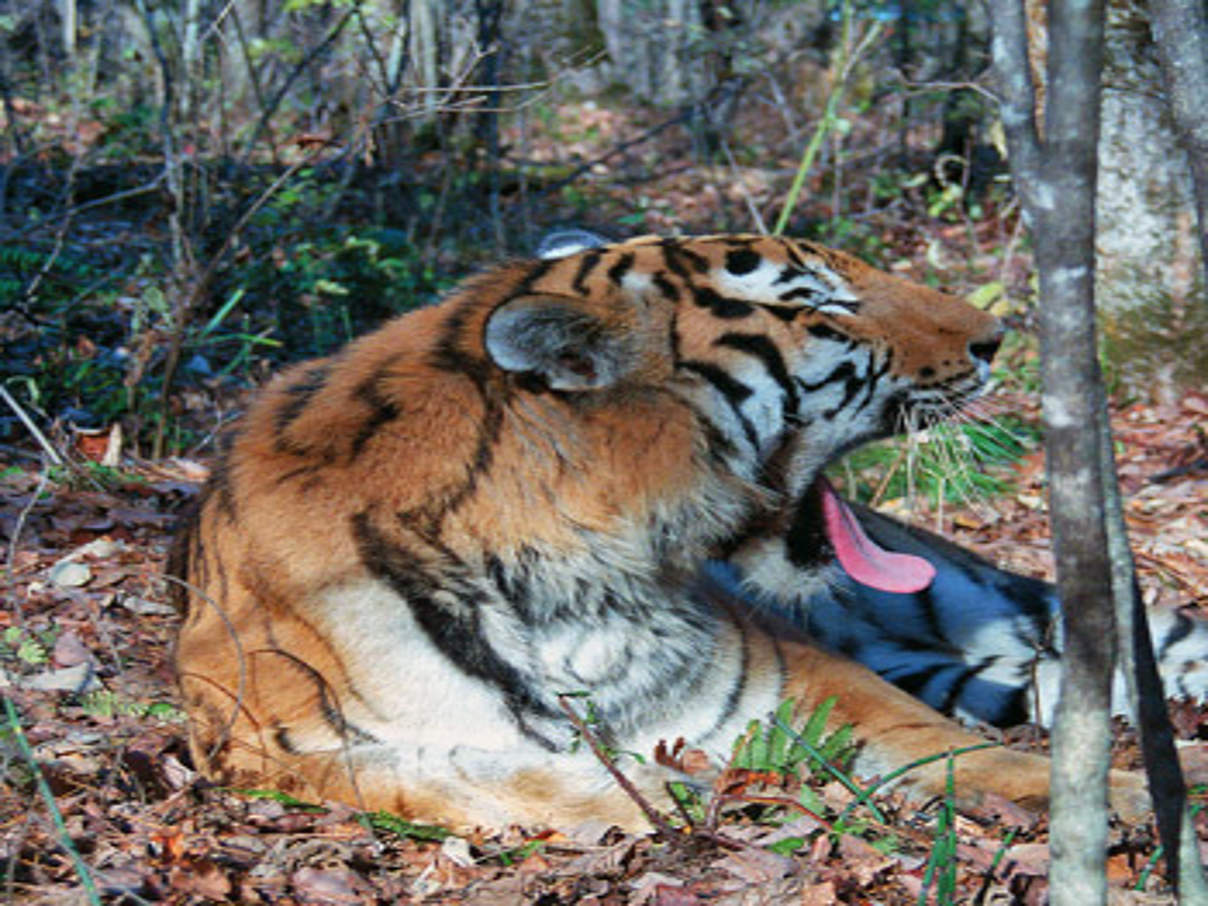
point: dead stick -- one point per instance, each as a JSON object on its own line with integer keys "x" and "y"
{"x": 655, "y": 818}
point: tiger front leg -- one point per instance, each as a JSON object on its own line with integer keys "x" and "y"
{"x": 895, "y": 730}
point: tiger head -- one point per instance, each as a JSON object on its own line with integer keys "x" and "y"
{"x": 791, "y": 353}
{"x": 671, "y": 391}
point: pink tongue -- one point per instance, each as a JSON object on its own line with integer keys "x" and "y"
{"x": 862, "y": 558}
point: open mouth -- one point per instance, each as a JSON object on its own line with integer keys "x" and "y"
{"x": 863, "y": 559}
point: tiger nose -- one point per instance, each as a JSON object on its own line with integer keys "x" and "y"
{"x": 983, "y": 348}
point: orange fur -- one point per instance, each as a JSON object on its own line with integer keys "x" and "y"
{"x": 410, "y": 548}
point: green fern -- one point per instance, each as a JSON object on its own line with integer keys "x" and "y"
{"x": 776, "y": 747}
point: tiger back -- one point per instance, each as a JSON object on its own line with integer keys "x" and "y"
{"x": 411, "y": 553}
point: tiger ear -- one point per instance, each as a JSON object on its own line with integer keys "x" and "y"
{"x": 558, "y": 340}
{"x": 561, "y": 243}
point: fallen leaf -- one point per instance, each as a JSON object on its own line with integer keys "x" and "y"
{"x": 77, "y": 679}
{"x": 819, "y": 894}
{"x": 325, "y": 886}
{"x": 202, "y": 878}
{"x": 70, "y": 574}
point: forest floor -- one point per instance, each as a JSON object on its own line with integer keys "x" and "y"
{"x": 85, "y": 657}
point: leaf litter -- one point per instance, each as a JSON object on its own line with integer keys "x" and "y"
{"x": 85, "y": 642}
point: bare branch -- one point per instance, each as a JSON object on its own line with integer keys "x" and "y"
{"x": 1009, "y": 47}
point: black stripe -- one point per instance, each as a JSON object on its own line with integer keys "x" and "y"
{"x": 806, "y": 542}
{"x": 734, "y": 696}
{"x": 851, "y": 388}
{"x": 220, "y": 484}
{"x": 721, "y": 306}
{"x": 844, "y": 371}
{"x": 798, "y": 261}
{"x": 674, "y": 339}
{"x": 309, "y": 469}
{"x": 1183, "y": 625}
{"x": 698, "y": 263}
{"x": 382, "y": 410}
{"x": 957, "y": 687}
{"x": 455, "y": 631}
{"x": 284, "y": 743}
{"x": 785, "y": 313}
{"x": 734, "y": 391}
{"x": 447, "y": 356}
{"x": 916, "y": 680}
{"x": 426, "y": 519}
{"x": 300, "y": 394}
{"x": 825, "y": 332}
{"x": 624, "y": 265}
{"x": 666, "y": 287}
{"x": 811, "y": 294}
{"x": 721, "y": 448}
{"x": 539, "y": 270}
{"x": 1014, "y": 709}
{"x": 513, "y": 583}
{"x": 586, "y": 265}
{"x": 768, "y": 353}
{"x": 673, "y": 262}
{"x": 329, "y": 707}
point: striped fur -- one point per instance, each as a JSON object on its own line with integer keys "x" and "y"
{"x": 409, "y": 550}
{"x": 980, "y": 643}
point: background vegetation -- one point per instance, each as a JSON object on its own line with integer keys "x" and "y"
{"x": 194, "y": 191}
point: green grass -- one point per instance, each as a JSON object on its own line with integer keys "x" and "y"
{"x": 950, "y": 463}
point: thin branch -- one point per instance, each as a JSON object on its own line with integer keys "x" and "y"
{"x": 48, "y": 448}
{"x": 315, "y": 52}
{"x": 65, "y": 842}
{"x": 1009, "y": 47}
{"x": 665, "y": 830}
{"x": 10, "y": 563}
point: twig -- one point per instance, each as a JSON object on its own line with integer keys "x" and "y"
{"x": 47, "y": 447}
{"x": 664, "y": 829}
{"x": 123, "y": 195}
{"x": 617, "y": 149}
{"x": 10, "y": 563}
{"x": 752, "y": 208}
{"x": 172, "y": 361}
{"x": 56, "y": 816}
{"x": 241, "y": 688}
{"x": 313, "y": 54}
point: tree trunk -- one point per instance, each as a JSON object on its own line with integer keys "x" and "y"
{"x": 1180, "y": 28}
{"x": 1052, "y": 140}
{"x": 1150, "y": 273}
{"x": 1055, "y": 177}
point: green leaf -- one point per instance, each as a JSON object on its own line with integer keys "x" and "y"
{"x": 384, "y": 821}
{"x": 31, "y": 651}
{"x": 284, "y": 798}
{"x": 787, "y": 846}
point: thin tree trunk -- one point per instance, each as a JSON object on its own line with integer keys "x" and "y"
{"x": 491, "y": 46}
{"x": 1055, "y": 177}
{"x": 1147, "y": 698}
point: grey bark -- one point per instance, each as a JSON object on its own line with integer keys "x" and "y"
{"x": 1147, "y": 699}
{"x": 1149, "y": 263}
{"x": 1180, "y": 28}
{"x": 1055, "y": 177}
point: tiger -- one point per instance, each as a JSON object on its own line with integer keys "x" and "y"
{"x": 591, "y": 476}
